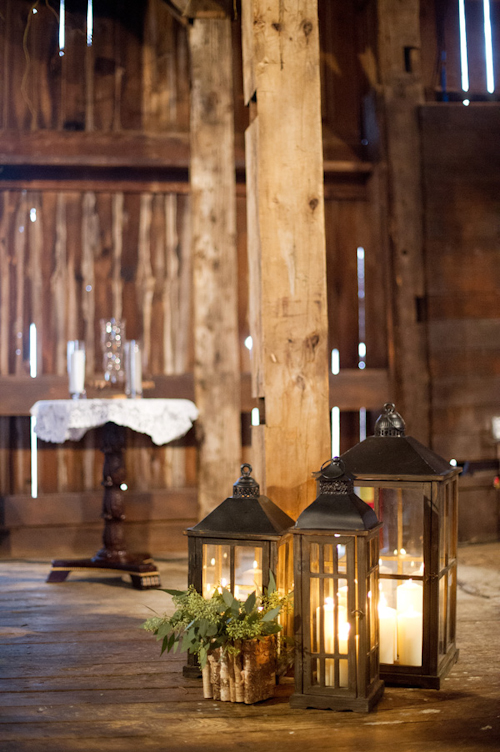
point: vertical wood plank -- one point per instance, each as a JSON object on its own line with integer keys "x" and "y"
{"x": 294, "y": 320}
{"x": 58, "y": 284}
{"x": 73, "y": 100}
{"x": 20, "y": 327}
{"x": 402, "y": 94}
{"x": 216, "y": 368}
{"x": 49, "y": 201}
{"x": 128, "y": 53}
{"x": 4, "y": 61}
{"x": 18, "y": 114}
{"x": 90, "y": 242}
{"x": 145, "y": 278}
{"x": 118, "y": 227}
{"x": 106, "y": 68}
{"x": 131, "y": 312}
{"x": 159, "y": 68}
{"x": 45, "y": 67}
{"x": 4, "y": 282}
{"x": 35, "y": 237}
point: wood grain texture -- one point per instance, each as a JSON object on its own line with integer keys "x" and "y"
{"x": 402, "y": 93}
{"x": 77, "y": 673}
{"x": 288, "y": 192}
{"x": 460, "y": 169}
{"x": 216, "y": 366}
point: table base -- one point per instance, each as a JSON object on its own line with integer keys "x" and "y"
{"x": 142, "y": 570}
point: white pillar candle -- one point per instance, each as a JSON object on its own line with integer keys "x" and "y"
{"x": 410, "y": 623}
{"x": 410, "y": 632}
{"x": 388, "y": 632}
{"x": 409, "y": 596}
{"x": 76, "y": 372}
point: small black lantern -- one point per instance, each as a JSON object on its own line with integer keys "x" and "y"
{"x": 239, "y": 542}
{"x": 335, "y": 601}
{"x": 414, "y": 493}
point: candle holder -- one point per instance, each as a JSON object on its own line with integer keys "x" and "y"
{"x": 112, "y": 342}
{"x": 335, "y": 598}
{"x": 414, "y": 493}
{"x": 76, "y": 368}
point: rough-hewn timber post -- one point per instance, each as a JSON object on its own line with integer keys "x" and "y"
{"x": 286, "y": 246}
{"x": 216, "y": 370}
{"x": 402, "y": 93}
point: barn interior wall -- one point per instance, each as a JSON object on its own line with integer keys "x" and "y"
{"x": 100, "y": 151}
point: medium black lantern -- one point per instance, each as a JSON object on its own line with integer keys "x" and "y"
{"x": 336, "y": 593}
{"x": 414, "y": 492}
{"x": 239, "y": 542}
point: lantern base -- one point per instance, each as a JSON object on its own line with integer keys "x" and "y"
{"x": 337, "y": 702}
{"x": 422, "y": 681}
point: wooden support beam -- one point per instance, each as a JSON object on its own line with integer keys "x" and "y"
{"x": 286, "y": 245}
{"x": 402, "y": 93}
{"x": 216, "y": 368}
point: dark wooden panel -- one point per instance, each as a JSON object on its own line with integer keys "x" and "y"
{"x": 93, "y": 149}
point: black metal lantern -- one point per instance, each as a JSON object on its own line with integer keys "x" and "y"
{"x": 239, "y": 542}
{"x": 414, "y": 492}
{"x": 336, "y": 593}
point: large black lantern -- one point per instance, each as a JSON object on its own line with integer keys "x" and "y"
{"x": 414, "y": 493}
{"x": 239, "y": 542}
{"x": 336, "y": 593}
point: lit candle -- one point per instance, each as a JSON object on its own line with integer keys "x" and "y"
{"x": 388, "y": 632}
{"x": 410, "y": 623}
{"x": 409, "y": 596}
{"x": 410, "y": 638}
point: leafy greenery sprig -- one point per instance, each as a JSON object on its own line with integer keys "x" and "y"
{"x": 201, "y": 625}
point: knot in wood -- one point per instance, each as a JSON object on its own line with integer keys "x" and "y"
{"x": 307, "y": 27}
{"x": 313, "y": 203}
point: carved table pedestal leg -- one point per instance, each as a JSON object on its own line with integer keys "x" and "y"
{"x": 113, "y": 555}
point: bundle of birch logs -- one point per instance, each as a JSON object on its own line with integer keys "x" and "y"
{"x": 246, "y": 674}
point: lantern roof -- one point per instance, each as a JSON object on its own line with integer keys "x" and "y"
{"x": 244, "y": 514}
{"x": 391, "y": 455}
{"x": 336, "y": 507}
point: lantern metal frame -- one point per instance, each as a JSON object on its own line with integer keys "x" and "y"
{"x": 245, "y": 519}
{"x": 390, "y": 460}
{"x": 336, "y": 520}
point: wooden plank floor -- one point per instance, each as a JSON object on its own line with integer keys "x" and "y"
{"x": 77, "y": 675}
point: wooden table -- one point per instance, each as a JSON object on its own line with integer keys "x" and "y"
{"x": 162, "y": 419}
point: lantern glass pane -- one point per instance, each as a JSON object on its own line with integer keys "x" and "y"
{"x": 314, "y": 558}
{"x": 247, "y": 570}
{"x": 216, "y": 567}
{"x": 328, "y": 564}
{"x": 341, "y": 559}
{"x": 402, "y": 536}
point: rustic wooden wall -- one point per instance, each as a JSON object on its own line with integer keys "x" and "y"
{"x": 97, "y": 141}
{"x": 462, "y": 194}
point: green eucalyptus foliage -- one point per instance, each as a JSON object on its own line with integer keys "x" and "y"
{"x": 201, "y": 625}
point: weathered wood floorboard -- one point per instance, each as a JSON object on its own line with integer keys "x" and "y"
{"x": 78, "y": 675}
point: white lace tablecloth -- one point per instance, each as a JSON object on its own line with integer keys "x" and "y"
{"x": 162, "y": 419}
